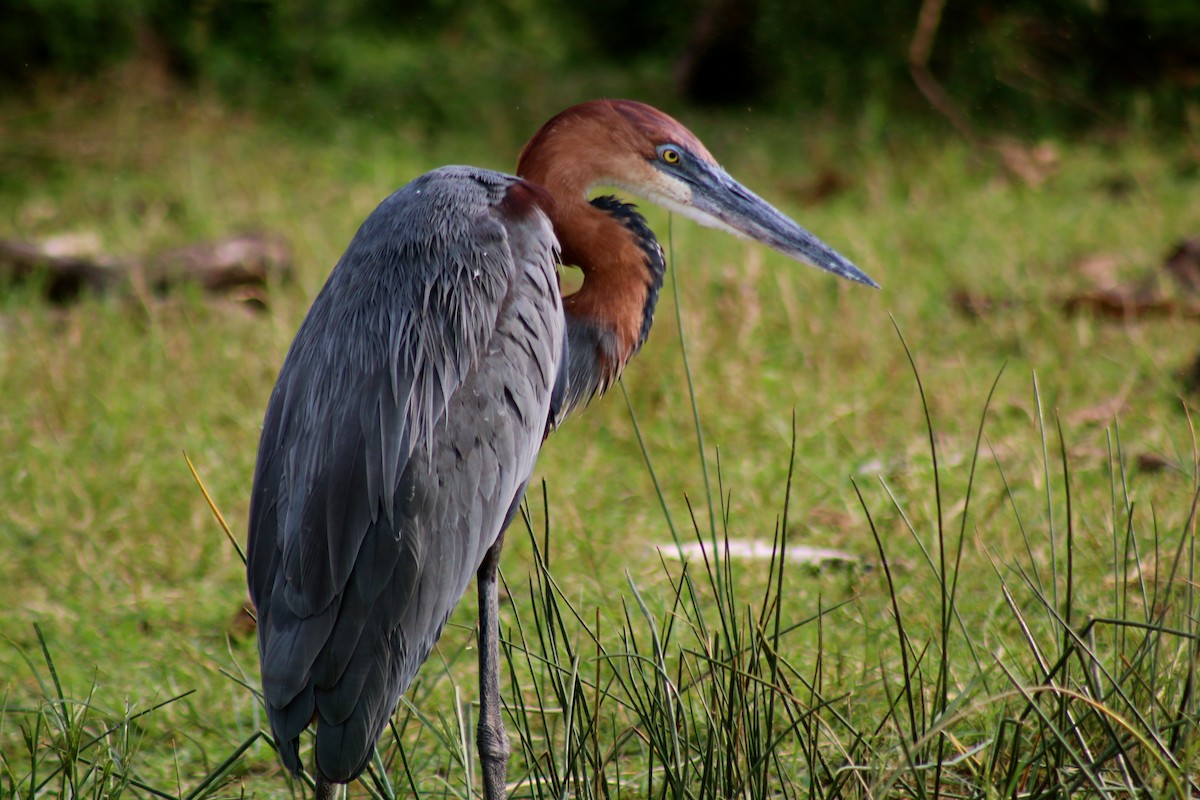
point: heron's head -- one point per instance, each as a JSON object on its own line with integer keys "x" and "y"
{"x": 640, "y": 149}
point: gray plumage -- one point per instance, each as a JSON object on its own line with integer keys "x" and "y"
{"x": 408, "y": 414}
{"x": 399, "y": 437}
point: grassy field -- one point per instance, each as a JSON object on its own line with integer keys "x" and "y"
{"x": 927, "y": 666}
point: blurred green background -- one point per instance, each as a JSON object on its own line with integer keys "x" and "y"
{"x": 1029, "y": 65}
{"x": 1063, "y": 162}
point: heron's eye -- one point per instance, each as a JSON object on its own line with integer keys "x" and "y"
{"x": 669, "y": 155}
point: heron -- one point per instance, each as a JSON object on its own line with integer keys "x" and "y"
{"x": 410, "y": 408}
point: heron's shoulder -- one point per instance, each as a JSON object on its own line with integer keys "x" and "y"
{"x": 457, "y": 204}
{"x": 460, "y": 185}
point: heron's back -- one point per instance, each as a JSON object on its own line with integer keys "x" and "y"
{"x": 404, "y": 424}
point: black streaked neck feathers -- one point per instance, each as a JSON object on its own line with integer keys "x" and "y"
{"x": 609, "y": 317}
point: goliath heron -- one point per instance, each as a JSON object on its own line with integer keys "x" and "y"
{"x": 411, "y": 406}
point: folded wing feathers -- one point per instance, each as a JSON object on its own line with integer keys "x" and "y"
{"x": 350, "y": 432}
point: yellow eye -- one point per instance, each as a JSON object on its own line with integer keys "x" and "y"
{"x": 669, "y": 155}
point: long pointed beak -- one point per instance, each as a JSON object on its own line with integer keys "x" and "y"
{"x": 729, "y": 205}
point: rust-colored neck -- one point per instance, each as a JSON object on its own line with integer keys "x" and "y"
{"x": 604, "y": 142}
{"x": 616, "y": 277}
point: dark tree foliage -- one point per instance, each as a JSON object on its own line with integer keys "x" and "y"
{"x": 1061, "y": 60}
{"x": 69, "y": 36}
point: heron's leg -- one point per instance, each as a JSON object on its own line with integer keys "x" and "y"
{"x": 490, "y": 737}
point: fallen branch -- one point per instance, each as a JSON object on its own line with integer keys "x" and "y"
{"x": 240, "y": 266}
{"x": 66, "y": 276}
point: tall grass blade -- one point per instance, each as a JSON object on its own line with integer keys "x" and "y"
{"x": 213, "y": 507}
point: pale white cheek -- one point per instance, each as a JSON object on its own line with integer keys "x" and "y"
{"x": 677, "y": 198}
{"x": 696, "y": 215}
{"x": 693, "y": 213}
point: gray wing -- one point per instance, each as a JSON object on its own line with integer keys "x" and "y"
{"x": 404, "y": 424}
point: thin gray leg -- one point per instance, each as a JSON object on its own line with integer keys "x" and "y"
{"x": 491, "y": 738}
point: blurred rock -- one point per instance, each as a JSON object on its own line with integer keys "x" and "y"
{"x": 758, "y": 550}
{"x": 1032, "y": 164}
{"x": 977, "y": 306}
{"x": 1183, "y": 265}
{"x": 68, "y": 269}
{"x": 250, "y": 259}
{"x": 240, "y": 267}
{"x": 1103, "y": 413}
{"x": 1153, "y": 462}
{"x": 1173, "y": 290}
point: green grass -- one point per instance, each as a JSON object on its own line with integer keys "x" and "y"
{"x": 1023, "y": 614}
